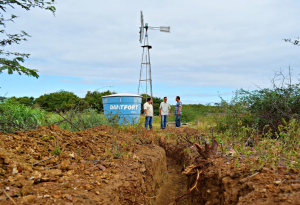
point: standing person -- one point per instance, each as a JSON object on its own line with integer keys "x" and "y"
{"x": 178, "y": 111}
{"x": 164, "y": 111}
{"x": 148, "y": 108}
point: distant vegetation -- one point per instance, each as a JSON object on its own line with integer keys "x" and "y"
{"x": 63, "y": 108}
{"x": 64, "y": 101}
{"x": 269, "y": 110}
{"x": 192, "y": 112}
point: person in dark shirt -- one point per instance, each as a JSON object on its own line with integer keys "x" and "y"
{"x": 178, "y": 111}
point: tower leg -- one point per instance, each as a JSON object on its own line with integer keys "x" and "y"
{"x": 148, "y": 76}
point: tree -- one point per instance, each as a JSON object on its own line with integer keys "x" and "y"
{"x": 28, "y": 101}
{"x": 13, "y": 65}
{"x": 62, "y": 100}
{"x": 95, "y": 99}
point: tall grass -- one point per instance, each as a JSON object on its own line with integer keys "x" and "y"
{"x": 77, "y": 121}
{"x": 15, "y": 116}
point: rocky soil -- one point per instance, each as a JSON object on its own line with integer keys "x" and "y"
{"x": 105, "y": 165}
{"x": 83, "y": 174}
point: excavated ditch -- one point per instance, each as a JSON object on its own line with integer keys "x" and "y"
{"x": 221, "y": 183}
{"x": 147, "y": 170}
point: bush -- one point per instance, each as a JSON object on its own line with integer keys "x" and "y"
{"x": 15, "y": 116}
{"x": 234, "y": 114}
{"x": 264, "y": 110}
{"x": 271, "y": 106}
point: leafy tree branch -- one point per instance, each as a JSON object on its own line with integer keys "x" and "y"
{"x": 14, "y": 65}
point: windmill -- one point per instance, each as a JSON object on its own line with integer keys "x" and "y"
{"x": 146, "y": 65}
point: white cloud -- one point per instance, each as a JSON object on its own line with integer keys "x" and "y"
{"x": 229, "y": 43}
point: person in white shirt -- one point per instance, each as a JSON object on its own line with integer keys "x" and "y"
{"x": 148, "y": 108}
{"x": 164, "y": 112}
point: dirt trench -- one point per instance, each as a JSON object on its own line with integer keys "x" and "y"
{"x": 222, "y": 184}
{"x": 175, "y": 186}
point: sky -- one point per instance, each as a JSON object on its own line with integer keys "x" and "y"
{"x": 213, "y": 49}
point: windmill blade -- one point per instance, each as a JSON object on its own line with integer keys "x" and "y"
{"x": 142, "y": 19}
{"x": 141, "y": 36}
{"x": 142, "y": 28}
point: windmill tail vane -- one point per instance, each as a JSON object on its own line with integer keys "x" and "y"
{"x": 161, "y": 28}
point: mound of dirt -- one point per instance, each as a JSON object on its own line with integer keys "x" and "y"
{"x": 87, "y": 171}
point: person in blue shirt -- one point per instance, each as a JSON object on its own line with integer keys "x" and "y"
{"x": 178, "y": 111}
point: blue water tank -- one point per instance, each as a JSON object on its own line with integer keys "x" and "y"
{"x": 124, "y": 108}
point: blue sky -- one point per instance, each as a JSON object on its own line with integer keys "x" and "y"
{"x": 213, "y": 48}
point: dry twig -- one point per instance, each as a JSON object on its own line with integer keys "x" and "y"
{"x": 254, "y": 174}
{"x": 191, "y": 189}
{"x": 53, "y": 166}
{"x": 44, "y": 160}
{"x": 9, "y": 197}
{"x": 67, "y": 120}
